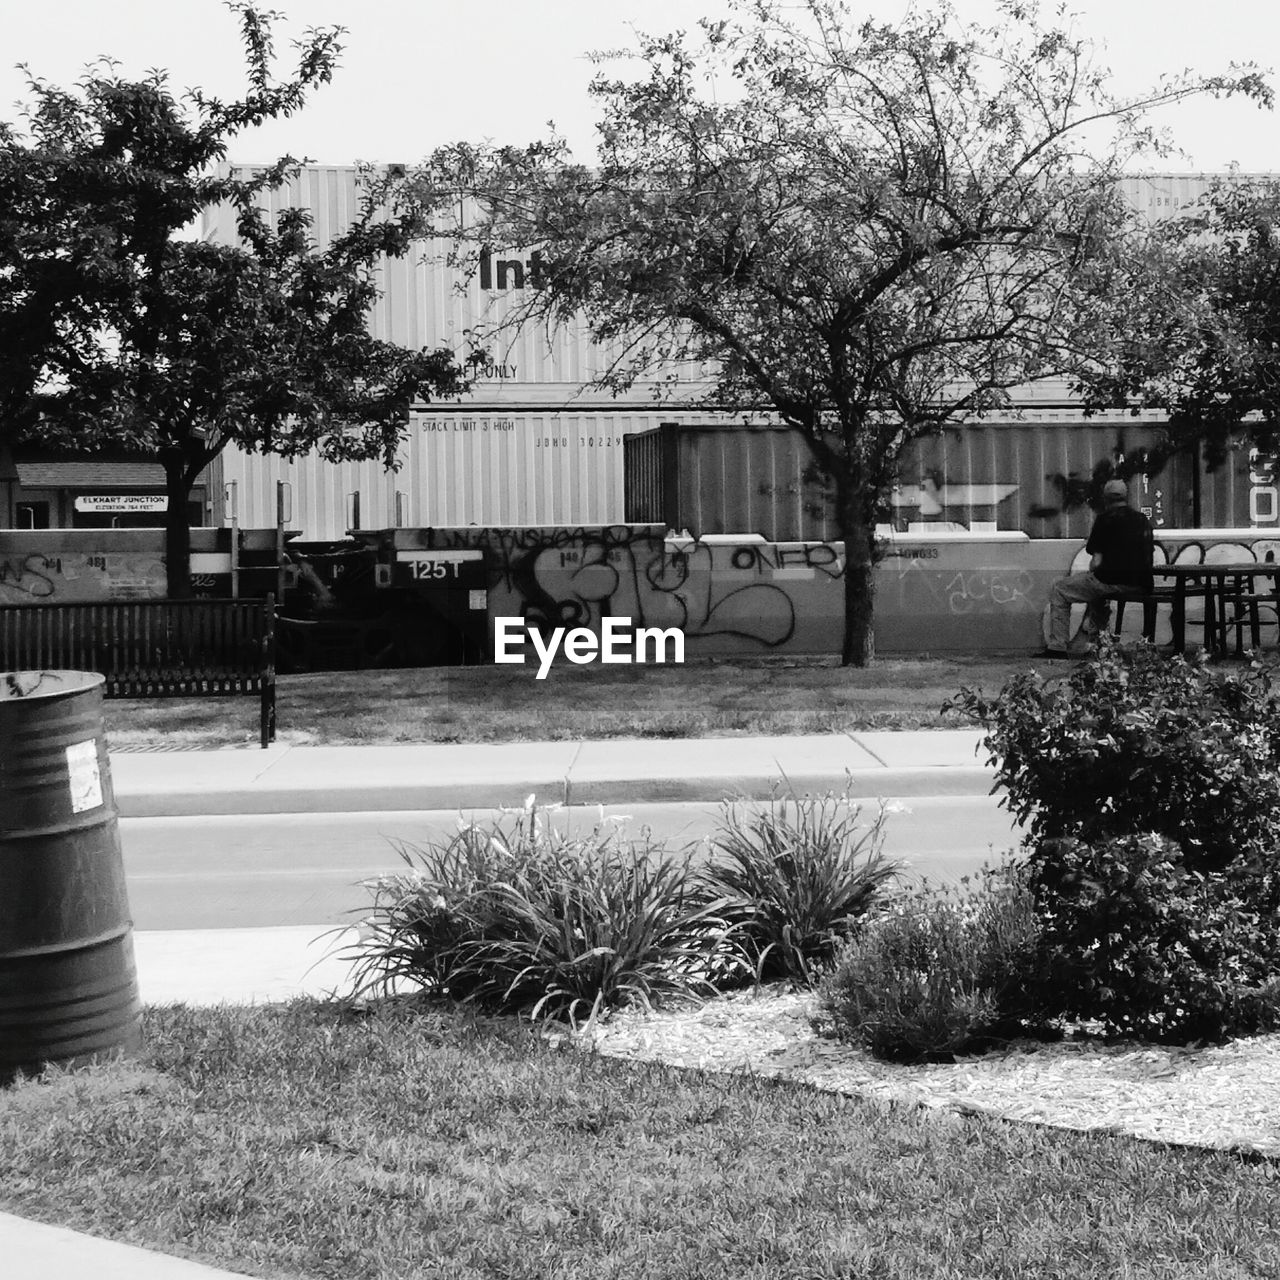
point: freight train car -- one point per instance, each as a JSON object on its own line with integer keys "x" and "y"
{"x": 509, "y": 468}
{"x": 1036, "y": 476}
{"x": 460, "y": 467}
{"x": 536, "y": 443}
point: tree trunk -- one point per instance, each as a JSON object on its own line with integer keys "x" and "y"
{"x": 177, "y": 532}
{"x": 859, "y": 645}
{"x": 858, "y": 648}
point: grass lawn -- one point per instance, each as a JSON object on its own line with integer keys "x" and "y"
{"x": 308, "y": 1141}
{"x": 504, "y": 704}
{"x": 301, "y": 1141}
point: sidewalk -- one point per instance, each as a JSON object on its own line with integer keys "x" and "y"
{"x": 38, "y": 1251}
{"x": 296, "y": 779}
{"x": 240, "y": 966}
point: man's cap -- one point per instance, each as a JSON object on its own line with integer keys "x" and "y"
{"x": 1115, "y": 491}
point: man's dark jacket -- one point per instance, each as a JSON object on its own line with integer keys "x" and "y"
{"x": 1122, "y": 537}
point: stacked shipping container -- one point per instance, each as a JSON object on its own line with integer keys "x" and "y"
{"x": 534, "y": 444}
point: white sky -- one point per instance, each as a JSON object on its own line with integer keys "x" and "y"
{"x": 417, "y": 73}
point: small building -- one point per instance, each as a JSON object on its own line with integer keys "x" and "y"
{"x": 42, "y": 489}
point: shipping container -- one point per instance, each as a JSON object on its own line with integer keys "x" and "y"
{"x": 1039, "y": 475}
{"x": 534, "y": 443}
{"x": 724, "y": 478}
{"x": 1162, "y": 195}
{"x": 1035, "y": 476}
{"x": 457, "y": 467}
{"x": 428, "y": 303}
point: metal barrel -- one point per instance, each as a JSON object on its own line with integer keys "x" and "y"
{"x": 68, "y": 985}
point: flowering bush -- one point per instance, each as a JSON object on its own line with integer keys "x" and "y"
{"x": 1134, "y": 939}
{"x": 1136, "y": 741}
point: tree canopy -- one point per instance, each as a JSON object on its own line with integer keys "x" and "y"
{"x": 93, "y": 188}
{"x": 115, "y": 332}
{"x": 1196, "y": 332}
{"x": 869, "y": 230}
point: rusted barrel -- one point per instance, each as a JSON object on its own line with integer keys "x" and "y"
{"x": 68, "y": 986}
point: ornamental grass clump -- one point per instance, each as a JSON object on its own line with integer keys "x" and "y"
{"x": 938, "y": 972}
{"x": 795, "y": 876}
{"x": 519, "y": 917}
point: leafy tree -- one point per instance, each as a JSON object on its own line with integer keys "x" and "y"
{"x": 868, "y": 231}
{"x": 115, "y": 333}
{"x": 91, "y": 193}
{"x": 268, "y": 346}
{"x": 1196, "y": 327}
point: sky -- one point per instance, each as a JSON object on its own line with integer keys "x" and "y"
{"x": 419, "y": 73}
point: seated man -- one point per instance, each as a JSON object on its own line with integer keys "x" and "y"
{"x": 1120, "y": 547}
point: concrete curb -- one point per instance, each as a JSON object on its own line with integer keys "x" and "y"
{"x": 860, "y": 784}
{"x": 369, "y": 796}
{"x": 427, "y": 777}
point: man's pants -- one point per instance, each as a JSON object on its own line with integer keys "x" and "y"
{"x": 1079, "y": 588}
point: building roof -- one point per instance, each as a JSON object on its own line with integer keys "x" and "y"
{"x": 97, "y": 474}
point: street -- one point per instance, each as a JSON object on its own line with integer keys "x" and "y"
{"x": 258, "y": 870}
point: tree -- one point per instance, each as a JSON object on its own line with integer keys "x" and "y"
{"x": 92, "y": 192}
{"x": 1196, "y": 332}
{"x": 869, "y": 232}
{"x": 116, "y": 333}
{"x": 266, "y": 346}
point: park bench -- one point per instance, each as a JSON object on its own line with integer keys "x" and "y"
{"x": 152, "y": 648}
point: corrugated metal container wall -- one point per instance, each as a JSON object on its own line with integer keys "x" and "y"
{"x": 1236, "y": 496}
{"x": 318, "y": 502}
{"x": 215, "y": 503}
{"x": 457, "y": 468}
{"x": 644, "y": 482}
{"x": 749, "y": 480}
{"x": 1160, "y": 195}
{"x": 1033, "y": 476}
{"x": 427, "y": 303}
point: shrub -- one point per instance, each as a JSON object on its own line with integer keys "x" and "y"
{"x": 1150, "y": 789}
{"x": 939, "y": 972}
{"x": 794, "y": 876}
{"x": 519, "y": 917}
{"x": 1134, "y": 939}
{"x": 1135, "y": 741}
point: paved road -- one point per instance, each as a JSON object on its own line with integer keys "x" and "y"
{"x": 258, "y": 870}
